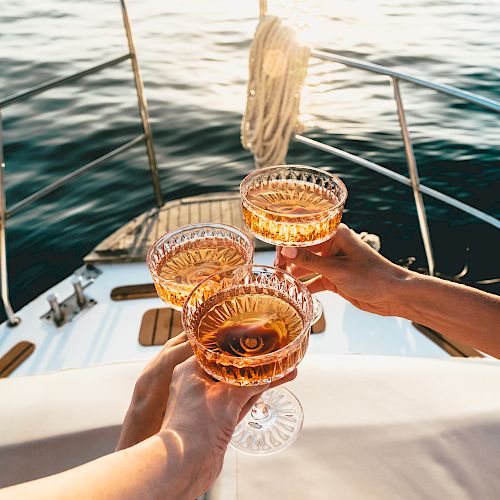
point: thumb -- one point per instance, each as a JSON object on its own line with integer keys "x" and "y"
{"x": 307, "y": 260}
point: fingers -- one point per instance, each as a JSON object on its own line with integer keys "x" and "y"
{"x": 158, "y": 371}
{"x": 299, "y": 272}
{"x": 308, "y": 261}
{"x": 178, "y": 339}
{"x": 316, "y": 284}
{"x": 293, "y": 269}
{"x": 242, "y": 394}
{"x": 291, "y": 376}
{"x": 248, "y": 405}
{"x": 333, "y": 246}
{"x": 289, "y": 252}
{"x": 180, "y": 353}
{"x": 247, "y": 393}
{"x": 175, "y": 351}
{"x": 338, "y": 244}
{"x": 279, "y": 260}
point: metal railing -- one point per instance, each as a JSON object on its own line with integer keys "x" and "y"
{"x": 146, "y": 137}
{"x": 413, "y": 180}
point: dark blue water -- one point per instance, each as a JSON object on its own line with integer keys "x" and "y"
{"x": 193, "y": 58}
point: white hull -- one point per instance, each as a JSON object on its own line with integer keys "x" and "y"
{"x": 108, "y": 332}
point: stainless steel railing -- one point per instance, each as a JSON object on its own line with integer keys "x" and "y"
{"x": 413, "y": 180}
{"x": 146, "y": 137}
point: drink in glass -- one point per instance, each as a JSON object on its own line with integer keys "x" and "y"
{"x": 250, "y": 326}
{"x": 293, "y": 205}
{"x": 182, "y": 258}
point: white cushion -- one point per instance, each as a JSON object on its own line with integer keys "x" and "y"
{"x": 382, "y": 428}
{"x": 52, "y": 422}
{"x": 375, "y": 427}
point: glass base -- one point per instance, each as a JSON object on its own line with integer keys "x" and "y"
{"x": 317, "y": 310}
{"x": 271, "y": 425}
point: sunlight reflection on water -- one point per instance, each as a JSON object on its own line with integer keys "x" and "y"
{"x": 194, "y": 60}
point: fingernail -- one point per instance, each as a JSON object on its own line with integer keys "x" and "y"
{"x": 290, "y": 252}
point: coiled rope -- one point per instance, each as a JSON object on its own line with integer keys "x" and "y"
{"x": 277, "y": 71}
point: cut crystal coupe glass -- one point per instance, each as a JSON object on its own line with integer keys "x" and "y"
{"x": 250, "y": 326}
{"x": 182, "y": 258}
{"x": 293, "y": 205}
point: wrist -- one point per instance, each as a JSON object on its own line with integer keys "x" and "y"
{"x": 200, "y": 457}
{"x": 178, "y": 468}
{"x": 398, "y": 291}
{"x": 403, "y": 292}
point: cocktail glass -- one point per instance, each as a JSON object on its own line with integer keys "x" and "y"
{"x": 293, "y": 205}
{"x": 182, "y": 258}
{"x": 250, "y": 326}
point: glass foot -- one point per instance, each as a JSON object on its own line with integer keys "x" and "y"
{"x": 317, "y": 310}
{"x": 271, "y": 425}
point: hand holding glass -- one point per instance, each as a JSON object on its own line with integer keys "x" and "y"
{"x": 293, "y": 205}
{"x": 250, "y": 326}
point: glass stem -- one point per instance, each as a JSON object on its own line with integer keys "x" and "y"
{"x": 260, "y": 410}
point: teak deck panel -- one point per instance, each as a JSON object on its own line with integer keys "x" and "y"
{"x": 130, "y": 243}
{"x": 162, "y": 324}
{"x": 14, "y": 357}
{"x": 159, "y": 325}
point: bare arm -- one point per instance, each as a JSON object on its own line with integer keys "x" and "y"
{"x": 147, "y": 470}
{"x": 349, "y": 267}
{"x": 167, "y": 451}
{"x": 457, "y": 311}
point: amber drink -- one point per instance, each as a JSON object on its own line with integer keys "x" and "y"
{"x": 181, "y": 259}
{"x": 249, "y": 326}
{"x": 292, "y": 205}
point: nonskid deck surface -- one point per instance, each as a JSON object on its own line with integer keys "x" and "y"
{"x": 131, "y": 242}
{"x": 108, "y": 332}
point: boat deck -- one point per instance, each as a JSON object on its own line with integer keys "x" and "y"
{"x": 108, "y": 332}
{"x": 131, "y": 242}
{"x": 123, "y": 298}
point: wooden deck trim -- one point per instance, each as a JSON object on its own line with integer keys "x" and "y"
{"x": 133, "y": 292}
{"x": 159, "y": 325}
{"x": 15, "y": 357}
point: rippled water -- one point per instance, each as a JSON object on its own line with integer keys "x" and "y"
{"x": 193, "y": 58}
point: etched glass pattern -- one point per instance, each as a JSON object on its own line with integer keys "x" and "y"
{"x": 292, "y": 205}
{"x": 249, "y": 325}
{"x": 182, "y": 258}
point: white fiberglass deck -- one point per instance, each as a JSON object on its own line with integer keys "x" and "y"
{"x": 108, "y": 332}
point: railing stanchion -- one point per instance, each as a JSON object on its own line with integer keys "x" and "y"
{"x": 13, "y": 320}
{"x": 143, "y": 108}
{"x": 262, "y": 8}
{"x": 414, "y": 177}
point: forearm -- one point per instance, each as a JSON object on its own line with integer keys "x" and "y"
{"x": 457, "y": 311}
{"x": 151, "y": 469}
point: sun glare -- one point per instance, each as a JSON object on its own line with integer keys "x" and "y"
{"x": 317, "y": 21}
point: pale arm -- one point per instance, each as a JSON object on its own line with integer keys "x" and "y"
{"x": 152, "y": 469}
{"x": 167, "y": 451}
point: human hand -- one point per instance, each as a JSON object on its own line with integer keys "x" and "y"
{"x": 348, "y": 266}
{"x": 200, "y": 420}
{"x": 195, "y": 416}
{"x": 149, "y": 401}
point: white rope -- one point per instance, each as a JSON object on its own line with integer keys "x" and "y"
{"x": 277, "y": 70}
